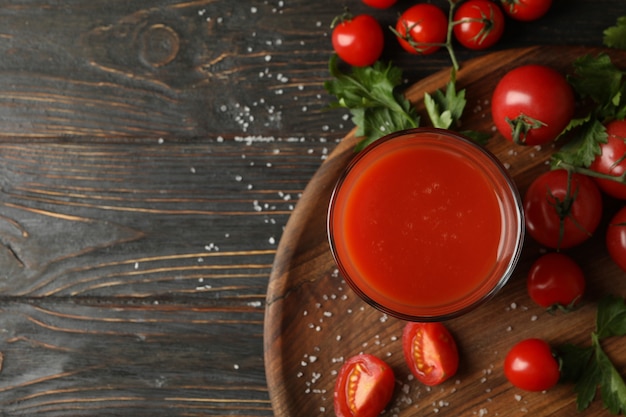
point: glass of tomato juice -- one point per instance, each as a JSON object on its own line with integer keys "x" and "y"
{"x": 425, "y": 224}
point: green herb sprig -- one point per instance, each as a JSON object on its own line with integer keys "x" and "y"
{"x": 377, "y": 107}
{"x": 371, "y": 96}
{"x": 598, "y": 81}
{"x": 445, "y": 110}
{"x": 590, "y": 368}
{"x": 615, "y": 36}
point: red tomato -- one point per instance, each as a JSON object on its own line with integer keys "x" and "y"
{"x": 616, "y": 238}
{"x": 556, "y": 280}
{"x": 478, "y": 24}
{"x": 562, "y": 212}
{"x": 422, "y": 29}
{"x": 430, "y": 352}
{"x": 364, "y": 387}
{"x": 358, "y": 40}
{"x": 380, "y": 4}
{"x": 530, "y": 366}
{"x": 612, "y": 160}
{"x": 526, "y": 10}
{"x": 532, "y": 104}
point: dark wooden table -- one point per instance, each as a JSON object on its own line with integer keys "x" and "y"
{"x": 151, "y": 153}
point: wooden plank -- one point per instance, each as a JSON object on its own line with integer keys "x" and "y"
{"x": 133, "y": 274}
{"x": 147, "y": 219}
{"x": 158, "y": 359}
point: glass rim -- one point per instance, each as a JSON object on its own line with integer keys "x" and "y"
{"x": 511, "y": 211}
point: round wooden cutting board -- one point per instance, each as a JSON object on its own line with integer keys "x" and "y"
{"x": 314, "y": 322}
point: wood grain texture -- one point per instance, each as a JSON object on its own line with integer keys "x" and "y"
{"x": 151, "y": 152}
{"x": 314, "y": 322}
{"x": 148, "y": 68}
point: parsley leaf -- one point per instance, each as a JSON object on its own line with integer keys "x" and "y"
{"x": 597, "y": 78}
{"x": 582, "y": 149}
{"x": 612, "y": 386}
{"x": 615, "y": 36}
{"x": 370, "y": 94}
{"x": 590, "y": 368}
{"x": 446, "y": 109}
{"x": 599, "y": 81}
{"x": 611, "y": 317}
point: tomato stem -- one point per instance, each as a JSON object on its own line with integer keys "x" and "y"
{"x": 346, "y": 16}
{"x": 419, "y": 47}
{"x": 560, "y": 164}
{"x": 448, "y": 44}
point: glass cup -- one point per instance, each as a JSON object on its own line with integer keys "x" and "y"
{"x": 425, "y": 225}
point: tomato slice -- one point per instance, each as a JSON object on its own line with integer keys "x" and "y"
{"x": 364, "y": 387}
{"x": 430, "y": 352}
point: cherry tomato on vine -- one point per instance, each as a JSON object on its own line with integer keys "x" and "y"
{"x": 612, "y": 160}
{"x": 364, "y": 387}
{"x": 430, "y": 352}
{"x": 616, "y": 238}
{"x": 422, "y": 29}
{"x": 478, "y": 24}
{"x": 555, "y": 280}
{"x": 532, "y": 104}
{"x": 562, "y": 209}
{"x": 380, "y": 4}
{"x": 358, "y": 40}
{"x": 526, "y": 10}
{"x": 530, "y": 365}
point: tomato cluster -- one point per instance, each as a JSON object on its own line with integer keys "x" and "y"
{"x": 533, "y": 105}
{"x": 424, "y": 28}
{"x": 563, "y": 207}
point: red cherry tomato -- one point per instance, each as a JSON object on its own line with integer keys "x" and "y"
{"x": 364, "y": 387}
{"x": 532, "y": 104}
{"x": 612, "y": 160}
{"x": 526, "y": 10}
{"x": 530, "y": 366}
{"x": 556, "y": 280}
{"x": 422, "y": 29}
{"x": 380, "y": 4}
{"x": 430, "y": 352}
{"x": 561, "y": 212}
{"x": 478, "y": 24}
{"x": 616, "y": 238}
{"x": 358, "y": 40}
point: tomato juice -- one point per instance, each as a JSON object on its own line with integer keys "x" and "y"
{"x": 424, "y": 224}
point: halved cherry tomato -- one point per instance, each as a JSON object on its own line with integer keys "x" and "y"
{"x": 556, "y": 281}
{"x": 562, "y": 209}
{"x": 364, "y": 387}
{"x": 358, "y": 40}
{"x": 430, "y": 352}
{"x": 616, "y": 238}
{"x": 478, "y": 24}
{"x": 532, "y": 104}
{"x": 526, "y": 10}
{"x": 612, "y": 160}
{"x": 422, "y": 29}
{"x": 530, "y": 365}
